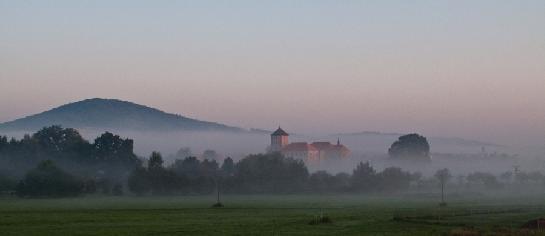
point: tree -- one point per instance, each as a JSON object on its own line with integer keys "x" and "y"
{"x": 484, "y": 179}
{"x": 7, "y": 183}
{"x": 209, "y": 167}
{"x": 57, "y": 139}
{"x": 363, "y": 177}
{"x": 109, "y": 154}
{"x": 270, "y": 172}
{"x": 443, "y": 175}
{"x": 162, "y": 180}
{"x": 155, "y": 161}
{"x": 47, "y": 180}
{"x": 342, "y": 182}
{"x": 321, "y": 181}
{"x": 189, "y": 167}
{"x": 196, "y": 176}
{"x": 228, "y": 167}
{"x": 139, "y": 182}
{"x": 410, "y": 146}
{"x": 394, "y": 179}
{"x": 3, "y": 142}
{"x": 112, "y": 149}
{"x": 54, "y": 143}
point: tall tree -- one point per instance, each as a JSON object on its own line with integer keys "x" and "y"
{"x": 109, "y": 145}
{"x": 155, "y": 161}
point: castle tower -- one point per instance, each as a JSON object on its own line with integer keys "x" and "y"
{"x": 279, "y": 139}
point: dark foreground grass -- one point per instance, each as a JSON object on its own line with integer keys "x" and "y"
{"x": 265, "y": 215}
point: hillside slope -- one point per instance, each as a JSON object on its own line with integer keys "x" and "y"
{"x": 112, "y": 114}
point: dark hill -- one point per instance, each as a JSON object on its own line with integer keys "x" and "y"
{"x": 112, "y": 114}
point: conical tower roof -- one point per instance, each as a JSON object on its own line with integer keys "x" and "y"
{"x": 279, "y": 132}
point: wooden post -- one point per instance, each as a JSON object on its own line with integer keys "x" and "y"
{"x": 442, "y": 191}
{"x": 217, "y": 190}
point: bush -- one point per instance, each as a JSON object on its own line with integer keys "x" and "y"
{"x": 217, "y": 205}
{"x": 320, "y": 220}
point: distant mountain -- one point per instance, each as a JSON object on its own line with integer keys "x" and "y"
{"x": 114, "y": 114}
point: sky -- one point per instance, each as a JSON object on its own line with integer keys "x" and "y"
{"x": 460, "y": 68}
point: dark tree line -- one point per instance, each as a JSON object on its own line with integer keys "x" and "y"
{"x": 187, "y": 176}
{"x": 101, "y": 165}
{"x": 254, "y": 174}
{"x": 57, "y": 162}
{"x": 260, "y": 173}
{"x": 108, "y": 153}
{"x": 48, "y": 180}
{"x": 392, "y": 179}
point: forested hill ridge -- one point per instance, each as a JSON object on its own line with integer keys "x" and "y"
{"x": 112, "y": 114}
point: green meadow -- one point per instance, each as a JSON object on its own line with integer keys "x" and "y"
{"x": 270, "y": 215}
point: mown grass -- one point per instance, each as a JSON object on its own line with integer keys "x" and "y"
{"x": 265, "y": 215}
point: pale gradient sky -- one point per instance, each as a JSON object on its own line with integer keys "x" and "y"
{"x": 472, "y": 69}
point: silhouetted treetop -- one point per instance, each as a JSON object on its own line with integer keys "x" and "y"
{"x": 411, "y": 147}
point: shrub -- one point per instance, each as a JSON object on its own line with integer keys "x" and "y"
{"x": 320, "y": 220}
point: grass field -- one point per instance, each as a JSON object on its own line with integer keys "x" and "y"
{"x": 267, "y": 215}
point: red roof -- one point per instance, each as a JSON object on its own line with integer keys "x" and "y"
{"x": 322, "y": 145}
{"x": 298, "y": 147}
{"x": 316, "y": 146}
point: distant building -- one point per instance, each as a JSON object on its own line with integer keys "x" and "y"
{"x": 279, "y": 139}
{"x": 313, "y": 152}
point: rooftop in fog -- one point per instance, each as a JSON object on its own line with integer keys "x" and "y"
{"x": 280, "y": 132}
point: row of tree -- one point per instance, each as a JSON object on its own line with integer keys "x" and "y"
{"x": 261, "y": 173}
{"x": 70, "y": 165}
{"x": 109, "y": 154}
{"x": 254, "y": 174}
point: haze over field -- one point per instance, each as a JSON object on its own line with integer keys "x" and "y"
{"x": 468, "y": 69}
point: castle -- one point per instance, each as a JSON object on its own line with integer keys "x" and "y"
{"x": 308, "y": 152}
